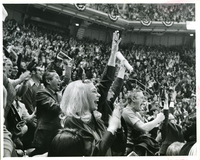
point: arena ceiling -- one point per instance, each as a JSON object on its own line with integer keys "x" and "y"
{"x": 65, "y": 13}
{"x": 91, "y": 16}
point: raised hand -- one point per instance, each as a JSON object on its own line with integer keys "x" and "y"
{"x": 114, "y": 120}
{"x": 25, "y": 76}
{"x": 160, "y": 117}
{"x": 115, "y": 42}
{"x": 173, "y": 96}
{"x": 68, "y": 62}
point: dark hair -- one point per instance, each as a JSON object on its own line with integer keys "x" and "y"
{"x": 68, "y": 142}
{"x": 47, "y": 76}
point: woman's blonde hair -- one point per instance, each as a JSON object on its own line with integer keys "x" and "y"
{"x": 75, "y": 100}
{"x": 174, "y": 148}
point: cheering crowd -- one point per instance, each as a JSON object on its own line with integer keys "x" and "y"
{"x": 88, "y": 103}
{"x": 153, "y": 12}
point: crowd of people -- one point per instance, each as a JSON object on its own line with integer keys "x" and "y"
{"x": 153, "y": 12}
{"x": 88, "y": 104}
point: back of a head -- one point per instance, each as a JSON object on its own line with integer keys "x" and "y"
{"x": 67, "y": 142}
{"x": 174, "y": 149}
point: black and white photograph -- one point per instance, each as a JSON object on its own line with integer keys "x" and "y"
{"x": 100, "y": 79}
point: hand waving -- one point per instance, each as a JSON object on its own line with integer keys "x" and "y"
{"x": 115, "y": 41}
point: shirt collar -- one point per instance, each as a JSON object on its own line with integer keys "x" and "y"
{"x": 50, "y": 90}
{"x": 32, "y": 82}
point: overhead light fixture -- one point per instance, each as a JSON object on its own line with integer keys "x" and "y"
{"x": 76, "y": 24}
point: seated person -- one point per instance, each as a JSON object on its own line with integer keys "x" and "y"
{"x": 137, "y": 136}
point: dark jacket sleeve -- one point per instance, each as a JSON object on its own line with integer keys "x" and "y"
{"x": 104, "y": 86}
{"x": 102, "y": 146}
{"x": 164, "y": 127}
{"x": 119, "y": 145}
{"x": 116, "y": 88}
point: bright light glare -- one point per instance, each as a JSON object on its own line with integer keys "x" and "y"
{"x": 190, "y": 25}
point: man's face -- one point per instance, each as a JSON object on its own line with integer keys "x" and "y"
{"x": 138, "y": 102}
{"x": 14, "y": 71}
{"x": 39, "y": 73}
{"x": 59, "y": 63}
{"x": 55, "y": 82}
{"x": 7, "y": 69}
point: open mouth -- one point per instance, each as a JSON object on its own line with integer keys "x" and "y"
{"x": 58, "y": 85}
{"x": 96, "y": 102}
{"x": 10, "y": 71}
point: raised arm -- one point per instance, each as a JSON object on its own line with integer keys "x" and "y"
{"x": 109, "y": 71}
{"x": 68, "y": 68}
{"x": 146, "y": 127}
{"x": 115, "y": 46}
{"x": 118, "y": 83}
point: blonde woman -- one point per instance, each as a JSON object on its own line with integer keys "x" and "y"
{"x": 79, "y": 104}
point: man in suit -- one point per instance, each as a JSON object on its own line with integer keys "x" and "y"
{"x": 48, "y": 108}
{"x": 48, "y": 111}
{"x": 28, "y": 94}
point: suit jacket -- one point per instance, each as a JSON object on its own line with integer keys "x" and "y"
{"x": 29, "y": 98}
{"x": 48, "y": 122}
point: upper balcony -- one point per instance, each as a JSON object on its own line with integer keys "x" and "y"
{"x": 159, "y": 18}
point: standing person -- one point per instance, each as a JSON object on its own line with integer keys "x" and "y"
{"x": 137, "y": 137}
{"x": 48, "y": 111}
{"x": 32, "y": 87}
{"x": 29, "y": 89}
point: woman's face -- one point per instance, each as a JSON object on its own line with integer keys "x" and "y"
{"x": 93, "y": 97}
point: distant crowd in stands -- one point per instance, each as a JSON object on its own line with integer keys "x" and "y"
{"x": 152, "y": 12}
{"x": 158, "y": 70}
